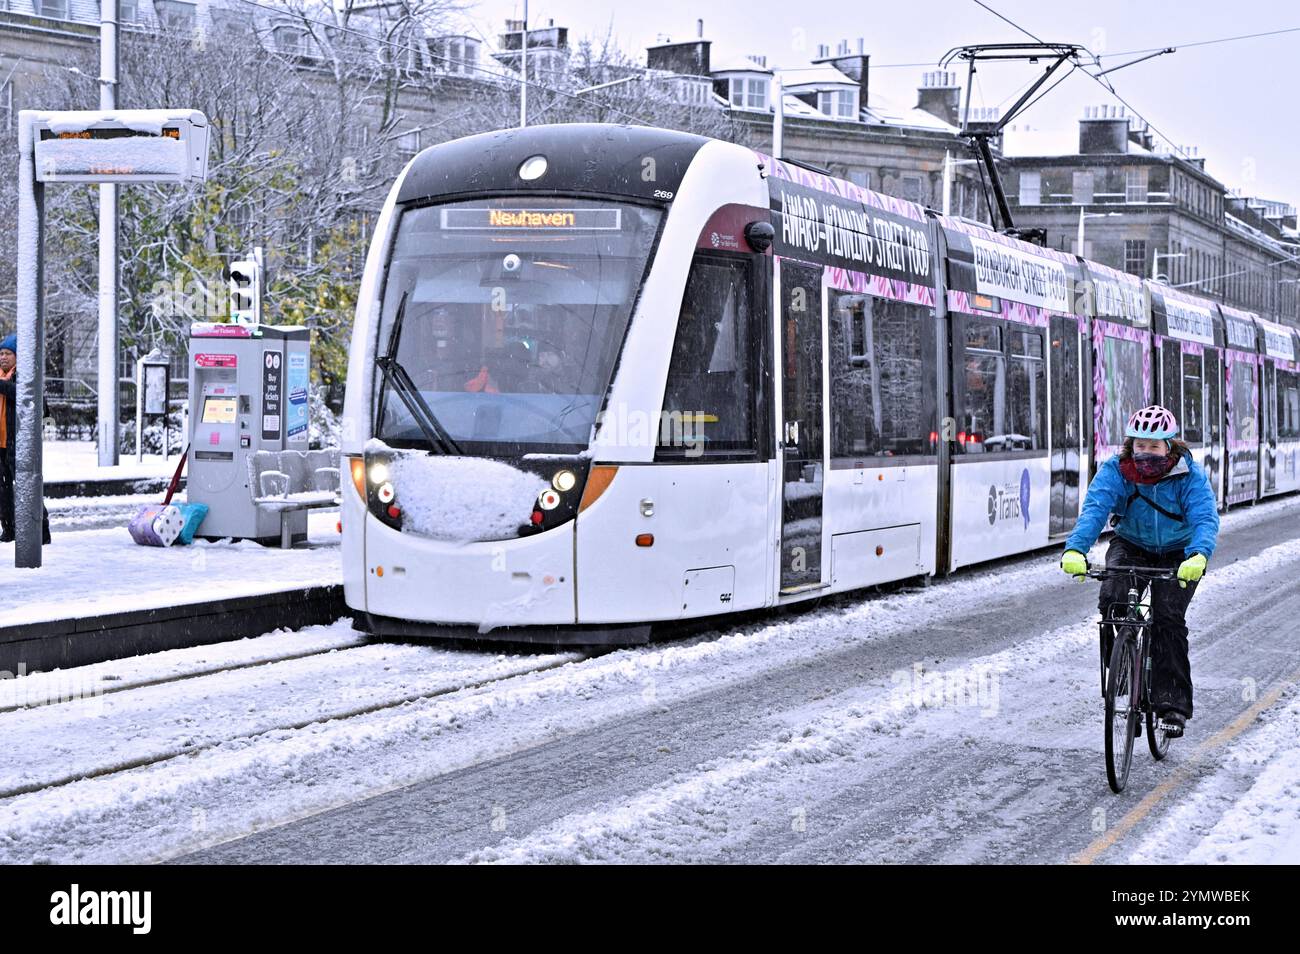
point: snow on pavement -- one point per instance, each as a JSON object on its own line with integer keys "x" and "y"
{"x": 67, "y": 461}
{"x": 92, "y": 572}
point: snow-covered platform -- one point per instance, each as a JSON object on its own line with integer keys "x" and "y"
{"x": 99, "y": 596}
{"x": 71, "y": 469}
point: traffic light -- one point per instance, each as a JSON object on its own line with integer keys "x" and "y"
{"x": 245, "y": 279}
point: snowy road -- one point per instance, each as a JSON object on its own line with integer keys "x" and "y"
{"x": 956, "y": 723}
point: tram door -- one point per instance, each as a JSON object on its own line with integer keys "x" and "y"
{"x": 1066, "y": 432}
{"x": 1268, "y": 410}
{"x": 1213, "y": 429}
{"x": 801, "y": 435}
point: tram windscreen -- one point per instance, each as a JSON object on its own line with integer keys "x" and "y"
{"x": 515, "y": 312}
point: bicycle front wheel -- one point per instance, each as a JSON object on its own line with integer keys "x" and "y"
{"x": 1121, "y": 709}
{"x": 1157, "y": 738}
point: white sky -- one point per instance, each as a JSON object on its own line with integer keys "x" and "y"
{"x": 1236, "y": 102}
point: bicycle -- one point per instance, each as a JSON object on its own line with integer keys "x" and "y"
{"x": 1126, "y": 681}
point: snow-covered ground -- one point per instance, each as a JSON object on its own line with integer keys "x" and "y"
{"x": 957, "y": 722}
{"x": 91, "y": 572}
{"x": 79, "y": 460}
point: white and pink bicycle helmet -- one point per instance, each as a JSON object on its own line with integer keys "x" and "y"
{"x": 1154, "y": 423}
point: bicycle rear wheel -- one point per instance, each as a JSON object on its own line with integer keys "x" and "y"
{"x": 1121, "y": 709}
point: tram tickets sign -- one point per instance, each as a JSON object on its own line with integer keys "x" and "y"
{"x": 1006, "y": 272}
{"x": 127, "y": 145}
{"x": 1278, "y": 342}
{"x": 814, "y": 226}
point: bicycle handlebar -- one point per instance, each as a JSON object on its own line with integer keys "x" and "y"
{"x": 1141, "y": 572}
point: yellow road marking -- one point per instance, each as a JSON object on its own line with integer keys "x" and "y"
{"x": 1144, "y": 807}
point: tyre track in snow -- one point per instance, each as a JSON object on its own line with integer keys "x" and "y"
{"x": 1025, "y": 787}
{"x": 154, "y": 723}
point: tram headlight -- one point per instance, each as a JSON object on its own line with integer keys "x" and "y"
{"x": 385, "y": 493}
{"x": 534, "y": 167}
{"x": 564, "y": 480}
{"x": 378, "y": 472}
{"x": 548, "y": 499}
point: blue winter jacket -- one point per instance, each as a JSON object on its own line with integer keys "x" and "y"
{"x": 1184, "y": 490}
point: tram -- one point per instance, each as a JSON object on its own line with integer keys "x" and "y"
{"x": 605, "y": 377}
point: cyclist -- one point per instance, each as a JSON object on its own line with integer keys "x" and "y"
{"x": 1165, "y": 516}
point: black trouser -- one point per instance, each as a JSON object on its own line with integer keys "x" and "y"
{"x": 1171, "y": 670}
{"x": 7, "y": 520}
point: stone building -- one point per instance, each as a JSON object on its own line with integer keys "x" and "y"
{"x": 1152, "y": 210}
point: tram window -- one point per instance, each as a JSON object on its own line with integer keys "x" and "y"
{"x": 1245, "y": 424}
{"x": 984, "y": 388}
{"x": 1026, "y": 394}
{"x": 709, "y": 398}
{"x": 881, "y": 377}
{"x": 1193, "y": 408}
{"x": 1288, "y": 405}
{"x": 1125, "y": 389}
{"x": 1171, "y": 372}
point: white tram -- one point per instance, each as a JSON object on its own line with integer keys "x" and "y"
{"x": 604, "y": 377}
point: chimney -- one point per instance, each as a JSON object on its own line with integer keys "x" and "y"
{"x": 685, "y": 58}
{"x": 940, "y": 96}
{"x": 1103, "y": 130}
{"x": 853, "y": 65}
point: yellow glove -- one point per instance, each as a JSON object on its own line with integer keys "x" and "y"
{"x": 1191, "y": 570}
{"x": 1075, "y": 564}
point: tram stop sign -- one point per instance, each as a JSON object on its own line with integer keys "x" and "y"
{"x": 121, "y": 145}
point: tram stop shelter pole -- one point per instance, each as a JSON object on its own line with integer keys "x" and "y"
{"x": 29, "y": 490}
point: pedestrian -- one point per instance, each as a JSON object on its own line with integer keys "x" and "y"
{"x": 9, "y": 441}
{"x": 1167, "y": 517}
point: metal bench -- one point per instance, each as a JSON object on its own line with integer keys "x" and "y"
{"x": 287, "y": 481}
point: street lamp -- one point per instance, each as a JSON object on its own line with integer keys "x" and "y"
{"x": 1089, "y": 215}
{"x": 948, "y": 163}
{"x": 1155, "y": 263}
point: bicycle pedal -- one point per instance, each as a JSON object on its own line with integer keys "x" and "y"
{"x": 1171, "y": 730}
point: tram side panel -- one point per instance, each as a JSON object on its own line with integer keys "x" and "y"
{"x": 1241, "y": 394}
{"x": 1280, "y": 381}
{"x": 685, "y": 526}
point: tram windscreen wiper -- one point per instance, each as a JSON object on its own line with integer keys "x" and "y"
{"x": 396, "y": 377}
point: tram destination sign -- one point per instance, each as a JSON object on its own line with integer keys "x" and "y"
{"x": 816, "y": 226}
{"x": 551, "y": 220}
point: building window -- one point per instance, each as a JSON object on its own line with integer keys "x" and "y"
{"x": 860, "y": 178}
{"x": 912, "y": 188}
{"x": 7, "y": 105}
{"x": 408, "y": 143}
{"x": 836, "y": 103}
{"x": 748, "y": 92}
{"x": 53, "y": 9}
{"x": 1135, "y": 256}
{"x": 1135, "y": 184}
{"x": 1031, "y": 188}
{"x": 1082, "y": 187}
{"x": 175, "y": 13}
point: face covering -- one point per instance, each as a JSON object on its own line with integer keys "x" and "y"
{"x": 1151, "y": 465}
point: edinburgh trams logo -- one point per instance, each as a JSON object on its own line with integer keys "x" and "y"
{"x": 1009, "y": 501}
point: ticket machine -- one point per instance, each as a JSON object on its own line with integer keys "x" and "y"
{"x": 248, "y": 393}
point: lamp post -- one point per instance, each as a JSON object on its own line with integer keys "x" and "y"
{"x": 1089, "y": 215}
{"x": 1155, "y": 263}
{"x": 948, "y": 163}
